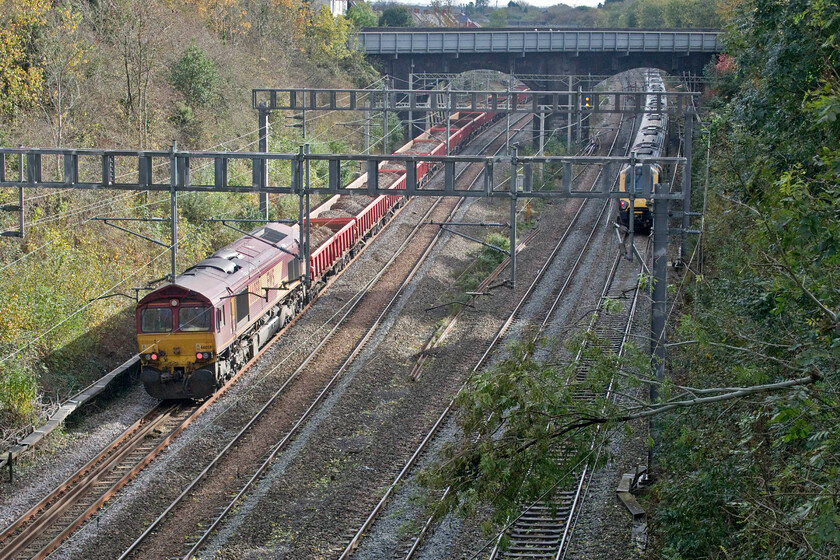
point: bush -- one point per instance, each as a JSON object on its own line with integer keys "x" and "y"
{"x": 486, "y": 261}
{"x": 195, "y": 76}
{"x": 18, "y": 396}
{"x": 182, "y": 114}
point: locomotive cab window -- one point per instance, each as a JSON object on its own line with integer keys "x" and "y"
{"x": 192, "y": 319}
{"x": 638, "y": 181}
{"x": 156, "y": 320}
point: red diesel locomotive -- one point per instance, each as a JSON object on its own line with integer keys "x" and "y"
{"x": 194, "y": 334}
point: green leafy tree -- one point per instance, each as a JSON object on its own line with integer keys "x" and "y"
{"x": 396, "y": 15}
{"x": 789, "y": 52}
{"x": 661, "y": 13}
{"x": 498, "y": 18}
{"x": 195, "y": 76}
{"x": 362, "y": 15}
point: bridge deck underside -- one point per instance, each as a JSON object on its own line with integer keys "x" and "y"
{"x": 540, "y": 51}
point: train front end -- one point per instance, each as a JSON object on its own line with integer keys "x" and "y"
{"x": 177, "y": 344}
{"x": 632, "y": 181}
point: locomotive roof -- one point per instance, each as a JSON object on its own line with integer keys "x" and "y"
{"x": 231, "y": 268}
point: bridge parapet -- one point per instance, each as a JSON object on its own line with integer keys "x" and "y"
{"x": 440, "y": 41}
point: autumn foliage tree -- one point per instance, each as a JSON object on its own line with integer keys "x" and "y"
{"x": 62, "y": 52}
{"x": 328, "y": 37}
{"x": 20, "y": 74}
{"x": 227, "y": 18}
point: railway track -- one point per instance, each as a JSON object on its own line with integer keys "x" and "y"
{"x": 45, "y": 526}
{"x": 413, "y": 548}
{"x": 544, "y": 529}
{"x": 469, "y": 174}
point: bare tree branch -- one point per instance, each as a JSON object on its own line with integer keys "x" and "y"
{"x": 735, "y": 393}
{"x": 834, "y": 317}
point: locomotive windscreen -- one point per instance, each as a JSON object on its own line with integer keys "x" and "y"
{"x": 156, "y": 320}
{"x": 194, "y": 319}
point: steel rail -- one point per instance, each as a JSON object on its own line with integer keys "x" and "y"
{"x": 383, "y": 500}
{"x": 444, "y": 415}
{"x": 49, "y": 511}
{"x": 354, "y": 302}
{"x": 117, "y": 457}
{"x": 537, "y": 526}
{"x": 427, "y": 525}
{"x": 48, "y": 502}
{"x": 533, "y": 532}
{"x": 434, "y": 341}
{"x": 418, "y": 540}
{"x": 281, "y": 444}
{"x": 575, "y": 514}
{"x": 29, "y": 526}
{"x": 17, "y": 537}
{"x": 357, "y": 299}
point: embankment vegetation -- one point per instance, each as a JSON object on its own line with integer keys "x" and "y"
{"x": 134, "y": 74}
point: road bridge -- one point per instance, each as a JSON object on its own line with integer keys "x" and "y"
{"x": 404, "y": 51}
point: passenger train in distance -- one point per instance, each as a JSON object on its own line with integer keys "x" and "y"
{"x": 194, "y": 334}
{"x": 649, "y": 142}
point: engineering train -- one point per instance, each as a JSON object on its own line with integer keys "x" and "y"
{"x": 194, "y": 334}
{"x": 649, "y": 142}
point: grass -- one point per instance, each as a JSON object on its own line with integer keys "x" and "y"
{"x": 487, "y": 259}
{"x": 18, "y": 396}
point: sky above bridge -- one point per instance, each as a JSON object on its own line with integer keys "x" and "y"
{"x": 547, "y": 3}
{"x": 540, "y": 3}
